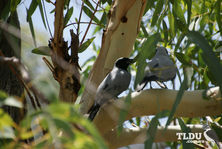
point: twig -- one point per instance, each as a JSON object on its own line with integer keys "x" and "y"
{"x": 90, "y": 22}
{"x": 47, "y": 17}
{"x": 84, "y": 23}
{"x": 80, "y": 15}
{"x": 48, "y": 64}
{"x": 99, "y": 6}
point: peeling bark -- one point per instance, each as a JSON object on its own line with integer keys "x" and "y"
{"x": 117, "y": 41}
{"x": 66, "y": 67}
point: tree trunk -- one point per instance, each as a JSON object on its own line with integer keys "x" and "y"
{"x": 11, "y": 46}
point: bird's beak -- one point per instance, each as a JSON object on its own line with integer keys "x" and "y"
{"x": 131, "y": 61}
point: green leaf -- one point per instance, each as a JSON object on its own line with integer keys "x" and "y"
{"x": 158, "y": 9}
{"x": 29, "y": 19}
{"x": 42, "y": 50}
{"x": 89, "y": 4}
{"x": 165, "y": 32}
{"x": 186, "y": 130}
{"x": 189, "y": 6}
{"x": 89, "y": 13}
{"x": 151, "y": 132}
{"x": 218, "y": 15}
{"x": 138, "y": 121}
{"x": 184, "y": 59}
{"x": 172, "y": 23}
{"x": 208, "y": 55}
{"x": 123, "y": 113}
{"x": 3, "y": 95}
{"x": 179, "y": 96}
{"x": 144, "y": 29}
{"x": 64, "y": 125}
{"x": 218, "y": 130}
{"x": 14, "y": 4}
{"x": 149, "y": 4}
{"x": 41, "y": 12}
{"x": 68, "y": 15}
{"x": 178, "y": 12}
{"x": 31, "y": 9}
{"x": 5, "y": 119}
{"x": 180, "y": 39}
{"x": 5, "y": 12}
{"x": 147, "y": 51}
{"x": 86, "y": 44}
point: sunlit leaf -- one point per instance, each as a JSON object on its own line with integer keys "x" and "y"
{"x": 86, "y": 44}
{"x": 42, "y": 50}
{"x": 5, "y": 120}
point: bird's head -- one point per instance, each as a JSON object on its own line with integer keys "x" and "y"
{"x": 123, "y": 63}
{"x": 161, "y": 51}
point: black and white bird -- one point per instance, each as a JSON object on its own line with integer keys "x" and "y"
{"x": 160, "y": 68}
{"x": 114, "y": 84}
{"x": 210, "y": 135}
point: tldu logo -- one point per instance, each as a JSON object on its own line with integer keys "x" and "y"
{"x": 190, "y": 137}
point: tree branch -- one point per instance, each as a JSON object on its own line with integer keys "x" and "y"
{"x": 117, "y": 41}
{"x": 150, "y": 102}
{"x": 139, "y": 135}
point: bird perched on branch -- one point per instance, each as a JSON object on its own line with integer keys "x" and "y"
{"x": 160, "y": 68}
{"x": 114, "y": 84}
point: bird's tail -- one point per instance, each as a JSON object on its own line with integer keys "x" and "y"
{"x": 93, "y": 111}
{"x": 144, "y": 82}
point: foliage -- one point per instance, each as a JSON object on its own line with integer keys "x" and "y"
{"x": 191, "y": 30}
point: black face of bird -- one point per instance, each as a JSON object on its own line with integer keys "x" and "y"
{"x": 161, "y": 51}
{"x": 123, "y": 62}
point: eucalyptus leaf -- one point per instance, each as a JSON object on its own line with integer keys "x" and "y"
{"x": 186, "y": 130}
{"x": 147, "y": 51}
{"x": 68, "y": 15}
{"x": 42, "y": 50}
{"x": 86, "y": 44}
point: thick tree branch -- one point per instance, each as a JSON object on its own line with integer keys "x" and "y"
{"x": 139, "y": 135}
{"x": 118, "y": 40}
{"x": 150, "y": 102}
{"x": 66, "y": 67}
